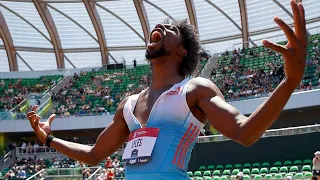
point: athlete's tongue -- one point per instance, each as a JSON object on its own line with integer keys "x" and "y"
{"x": 156, "y": 37}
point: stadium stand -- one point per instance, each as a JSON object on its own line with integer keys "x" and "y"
{"x": 14, "y": 91}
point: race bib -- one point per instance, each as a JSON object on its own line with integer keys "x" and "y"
{"x": 140, "y": 145}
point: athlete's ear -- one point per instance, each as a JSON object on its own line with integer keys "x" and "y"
{"x": 182, "y": 51}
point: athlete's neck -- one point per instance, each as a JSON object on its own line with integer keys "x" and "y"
{"x": 164, "y": 74}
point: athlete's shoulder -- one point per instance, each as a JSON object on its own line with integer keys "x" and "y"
{"x": 200, "y": 87}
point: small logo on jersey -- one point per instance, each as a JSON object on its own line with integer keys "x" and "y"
{"x": 139, "y": 134}
{"x": 174, "y": 92}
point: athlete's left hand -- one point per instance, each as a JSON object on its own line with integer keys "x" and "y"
{"x": 295, "y": 51}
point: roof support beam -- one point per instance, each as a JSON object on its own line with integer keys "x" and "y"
{"x": 52, "y": 30}
{"x": 244, "y": 23}
{"x": 144, "y": 21}
{"x": 8, "y": 44}
{"x": 191, "y": 12}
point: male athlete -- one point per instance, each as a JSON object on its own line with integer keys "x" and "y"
{"x": 162, "y": 122}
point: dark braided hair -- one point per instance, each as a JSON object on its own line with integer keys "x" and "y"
{"x": 190, "y": 42}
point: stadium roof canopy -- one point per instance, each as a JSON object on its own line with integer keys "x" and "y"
{"x": 51, "y": 34}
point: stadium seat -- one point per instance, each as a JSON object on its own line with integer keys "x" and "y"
{"x": 256, "y": 165}
{"x": 219, "y": 167}
{"x": 274, "y": 170}
{"x": 216, "y": 173}
{"x": 247, "y": 166}
{"x": 226, "y": 173}
{"x": 224, "y": 178}
{"x": 265, "y": 165}
{"x": 199, "y": 178}
{"x": 289, "y": 174}
{"x": 238, "y": 166}
{"x": 257, "y": 177}
{"x": 197, "y": 174}
{"x": 210, "y": 168}
{"x": 278, "y": 176}
{"x": 216, "y": 178}
{"x": 298, "y": 176}
{"x": 228, "y": 167}
{"x": 283, "y": 170}
{"x": 307, "y": 162}
{"x": 190, "y": 174}
{"x": 235, "y": 172}
{"x": 297, "y": 163}
{"x": 246, "y": 177}
{"x": 263, "y": 171}
{"x": 308, "y": 175}
{"x": 287, "y": 164}
{"x": 255, "y": 171}
{"x": 207, "y": 173}
{"x": 306, "y": 168}
{"x": 246, "y": 171}
{"x": 202, "y": 168}
{"x": 277, "y": 164}
{"x": 268, "y": 176}
{"x": 294, "y": 169}
{"x": 207, "y": 178}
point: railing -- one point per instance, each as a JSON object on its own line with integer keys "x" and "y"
{"x": 268, "y": 133}
{"x": 94, "y": 175}
{"x": 38, "y": 174}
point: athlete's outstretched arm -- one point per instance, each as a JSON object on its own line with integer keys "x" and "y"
{"x": 109, "y": 141}
{"x": 246, "y": 130}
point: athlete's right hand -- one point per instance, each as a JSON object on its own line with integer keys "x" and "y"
{"x": 42, "y": 129}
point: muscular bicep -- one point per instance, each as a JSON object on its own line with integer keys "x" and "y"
{"x": 222, "y": 116}
{"x": 112, "y": 137}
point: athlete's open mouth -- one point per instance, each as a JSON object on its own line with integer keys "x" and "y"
{"x": 156, "y": 38}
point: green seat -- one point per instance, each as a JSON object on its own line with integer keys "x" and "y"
{"x": 216, "y": 173}
{"x": 287, "y": 163}
{"x": 283, "y": 170}
{"x": 277, "y": 164}
{"x": 307, "y": 162}
{"x": 246, "y": 171}
{"x": 190, "y": 174}
{"x": 263, "y": 171}
{"x": 247, "y": 166}
{"x": 306, "y": 168}
{"x": 246, "y": 177}
{"x": 219, "y": 167}
{"x": 289, "y": 174}
{"x": 226, "y": 172}
{"x": 207, "y": 178}
{"x": 257, "y": 177}
{"x": 297, "y": 163}
{"x": 294, "y": 169}
{"x": 207, "y": 173}
{"x": 256, "y": 165}
{"x": 308, "y": 175}
{"x": 268, "y": 176}
{"x": 235, "y": 172}
{"x": 224, "y": 178}
{"x": 238, "y": 166}
{"x": 274, "y": 170}
{"x": 210, "y": 168}
{"x": 202, "y": 168}
{"x": 216, "y": 178}
{"x": 298, "y": 176}
{"x": 278, "y": 176}
{"x": 197, "y": 174}
{"x": 265, "y": 165}
{"x": 228, "y": 167}
{"x": 254, "y": 171}
{"x": 199, "y": 178}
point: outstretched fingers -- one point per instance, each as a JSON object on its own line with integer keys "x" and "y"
{"x": 276, "y": 47}
{"x": 304, "y": 37}
{"x": 34, "y": 108}
{"x": 51, "y": 118}
{"x": 287, "y": 30}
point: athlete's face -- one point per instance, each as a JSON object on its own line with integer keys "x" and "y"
{"x": 164, "y": 40}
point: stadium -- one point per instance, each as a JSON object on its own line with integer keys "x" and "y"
{"x": 79, "y": 59}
